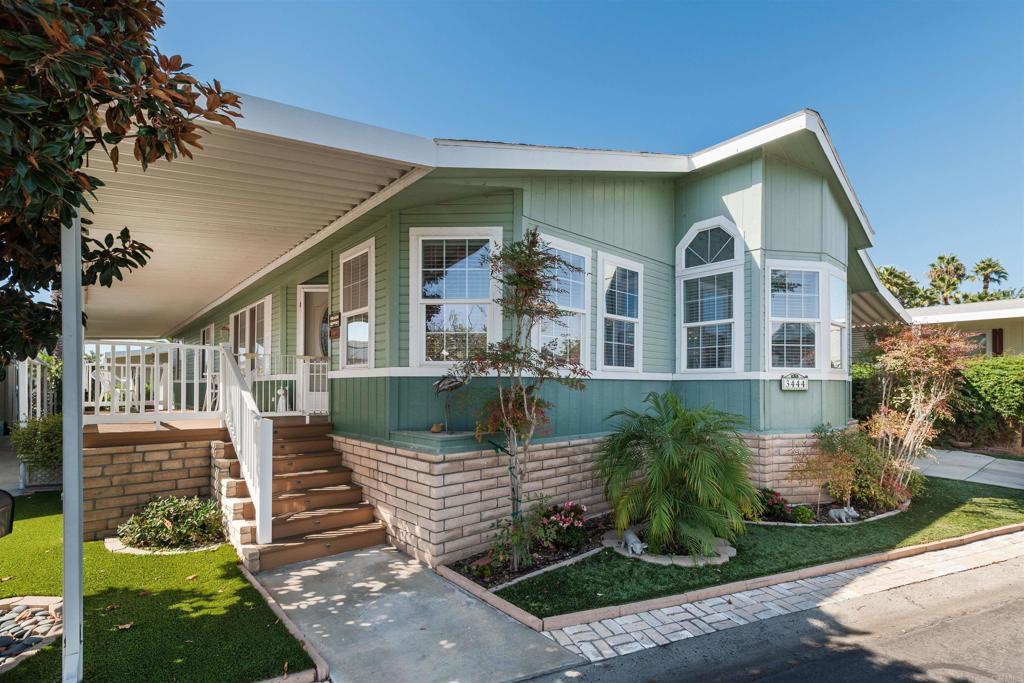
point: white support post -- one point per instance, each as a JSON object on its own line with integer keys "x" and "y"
{"x": 71, "y": 329}
{"x": 23, "y": 398}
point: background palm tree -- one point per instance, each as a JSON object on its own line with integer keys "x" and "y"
{"x": 945, "y": 275}
{"x": 902, "y": 285}
{"x": 989, "y": 271}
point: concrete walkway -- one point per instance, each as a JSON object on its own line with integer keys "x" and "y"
{"x": 982, "y": 469}
{"x": 609, "y": 638}
{"x": 378, "y": 615}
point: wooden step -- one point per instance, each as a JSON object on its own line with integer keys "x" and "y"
{"x": 311, "y": 521}
{"x": 320, "y": 544}
{"x": 311, "y": 444}
{"x": 311, "y": 499}
{"x": 300, "y": 462}
{"x": 302, "y": 431}
{"x": 311, "y": 479}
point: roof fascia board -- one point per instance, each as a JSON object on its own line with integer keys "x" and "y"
{"x": 310, "y": 242}
{"x": 294, "y": 123}
{"x": 883, "y": 291}
{"x": 484, "y": 155}
{"x": 966, "y": 316}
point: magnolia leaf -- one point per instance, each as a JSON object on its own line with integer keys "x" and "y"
{"x": 125, "y": 627}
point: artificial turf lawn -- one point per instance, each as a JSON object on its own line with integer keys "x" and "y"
{"x": 214, "y": 627}
{"x": 946, "y": 509}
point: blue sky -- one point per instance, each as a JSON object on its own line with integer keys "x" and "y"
{"x": 924, "y": 101}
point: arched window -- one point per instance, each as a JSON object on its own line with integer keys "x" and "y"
{"x": 709, "y": 273}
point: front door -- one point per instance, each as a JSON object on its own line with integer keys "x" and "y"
{"x": 313, "y": 347}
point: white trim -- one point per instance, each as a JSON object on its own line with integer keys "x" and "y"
{"x": 368, "y": 204}
{"x": 882, "y": 290}
{"x": 586, "y": 253}
{"x": 962, "y": 316}
{"x": 822, "y": 322}
{"x": 268, "y": 330}
{"x": 415, "y": 330}
{"x": 368, "y": 247}
{"x": 734, "y": 266}
{"x": 438, "y": 371}
{"x": 605, "y": 259}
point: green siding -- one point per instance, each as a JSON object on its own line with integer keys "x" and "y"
{"x": 802, "y": 216}
{"x": 359, "y": 405}
{"x": 825, "y": 402}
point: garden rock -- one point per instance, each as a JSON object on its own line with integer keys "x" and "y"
{"x": 25, "y": 628}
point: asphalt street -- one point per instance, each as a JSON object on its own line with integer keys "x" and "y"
{"x": 960, "y": 628}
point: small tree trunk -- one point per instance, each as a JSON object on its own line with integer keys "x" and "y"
{"x": 516, "y": 489}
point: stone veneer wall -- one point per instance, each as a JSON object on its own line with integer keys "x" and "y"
{"x": 118, "y": 480}
{"x": 441, "y": 508}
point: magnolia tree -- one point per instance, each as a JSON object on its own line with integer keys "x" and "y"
{"x": 920, "y": 369}
{"x": 528, "y": 273}
{"x": 81, "y": 77}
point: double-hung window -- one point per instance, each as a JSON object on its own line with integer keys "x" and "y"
{"x": 709, "y": 269}
{"x": 357, "y": 289}
{"x": 794, "y": 315}
{"x": 567, "y": 337}
{"x": 452, "y": 293}
{"x": 621, "y": 313}
{"x": 837, "y": 323}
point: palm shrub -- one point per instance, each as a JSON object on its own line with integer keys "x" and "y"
{"x": 681, "y": 473}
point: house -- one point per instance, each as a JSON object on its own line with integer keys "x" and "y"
{"x": 998, "y": 325}
{"x": 315, "y": 276}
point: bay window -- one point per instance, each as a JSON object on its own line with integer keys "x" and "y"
{"x": 837, "y": 330}
{"x": 709, "y": 271}
{"x": 808, "y": 317}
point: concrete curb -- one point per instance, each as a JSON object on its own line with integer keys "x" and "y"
{"x": 814, "y": 525}
{"x": 320, "y": 671}
{"x": 544, "y": 570}
{"x": 612, "y": 612}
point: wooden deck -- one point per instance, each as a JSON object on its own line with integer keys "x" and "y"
{"x": 169, "y": 431}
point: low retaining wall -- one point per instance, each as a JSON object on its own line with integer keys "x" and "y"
{"x": 118, "y": 480}
{"x": 440, "y": 508}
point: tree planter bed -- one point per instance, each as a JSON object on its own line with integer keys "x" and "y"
{"x": 864, "y": 520}
{"x": 115, "y": 545}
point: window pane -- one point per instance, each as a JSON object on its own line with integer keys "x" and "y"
{"x": 793, "y": 345}
{"x": 794, "y": 294}
{"x": 837, "y": 300}
{"x": 569, "y": 283}
{"x": 257, "y": 330}
{"x": 709, "y": 246}
{"x": 709, "y": 346}
{"x": 707, "y": 298}
{"x": 835, "y": 345}
{"x": 563, "y": 338}
{"x": 622, "y": 292}
{"x": 238, "y": 342}
{"x": 453, "y": 331}
{"x": 619, "y": 344}
{"x": 357, "y": 338}
{"x": 455, "y": 269}
{"x": 355, "y": 277}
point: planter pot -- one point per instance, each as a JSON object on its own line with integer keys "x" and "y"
{"x": 960, "y": 444}
{"x": 39, "y": 475}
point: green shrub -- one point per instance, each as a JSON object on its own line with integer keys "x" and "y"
{"x": 989, "y": 405}
{"x": 518, "y": 537}
{"x": 38, "y": 441}
{"x": 681, "y": 473}
{"x": 801, "y": 514}
{"x": 856, "y": 471}
{"x": 174, "y": 522}
{"x": 568, "y": 521}
{"x": 773, "y": 505}
{"x": 866, "y": 390}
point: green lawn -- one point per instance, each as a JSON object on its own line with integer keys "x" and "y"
{"x": 214, "y": 627}
{"x": 946, "y": 509}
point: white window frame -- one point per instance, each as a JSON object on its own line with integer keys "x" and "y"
{"x": 268, "y": 329}
{"x": 417, "y": 304}
{"x": 210, "y": 333}
{"x": 845, "y": 327}
{"x": 822, "y": 323}
{"x": 586, "y": 253}
{"x": 368, "y": 248}
{"x": 604, "y": 262}
{"x": 734, "y": 266}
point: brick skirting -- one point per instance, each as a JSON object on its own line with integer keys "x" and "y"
{"x": 440, "y": 508}
{"x": 118, "y": 480}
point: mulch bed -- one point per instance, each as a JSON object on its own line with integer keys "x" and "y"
{"x": 821, "y": 516}
{"x": 471, "y": 567}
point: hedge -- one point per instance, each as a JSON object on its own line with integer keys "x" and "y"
{"x": 38, "y": 441}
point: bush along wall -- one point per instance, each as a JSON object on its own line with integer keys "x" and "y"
{"x": 988, "y": 409}
{"x": 867, "y": 390}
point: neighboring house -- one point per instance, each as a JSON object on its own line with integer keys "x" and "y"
{"x": 999, "y": 325}
{"x": 341, "y": 263}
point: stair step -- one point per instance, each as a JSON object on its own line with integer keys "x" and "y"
{"x": 320, "y": 497}
{"x": 311, "y": 444}
{"x": 310, "y": 479}
{"x": 301, "y": 431}
{"x": 320, "y": 544}
{"x": 311, "y": 521}
{"x": 299, "y": 462}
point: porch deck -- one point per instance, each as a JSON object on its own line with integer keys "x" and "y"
{"x": 165, "y": 431}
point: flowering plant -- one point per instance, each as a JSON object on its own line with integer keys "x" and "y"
{"x": 567, "y": 520}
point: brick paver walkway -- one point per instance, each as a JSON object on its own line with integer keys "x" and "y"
{"x": 612, "y": 637}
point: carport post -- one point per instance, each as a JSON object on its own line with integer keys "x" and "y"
{"x": 71, "y": 330}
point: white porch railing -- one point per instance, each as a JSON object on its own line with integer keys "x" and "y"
{"x": 36, "y": 395}
{"x": 286, "y": 384}
{"x": 252, "y": 436}
{"x": 126, "y": 381}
